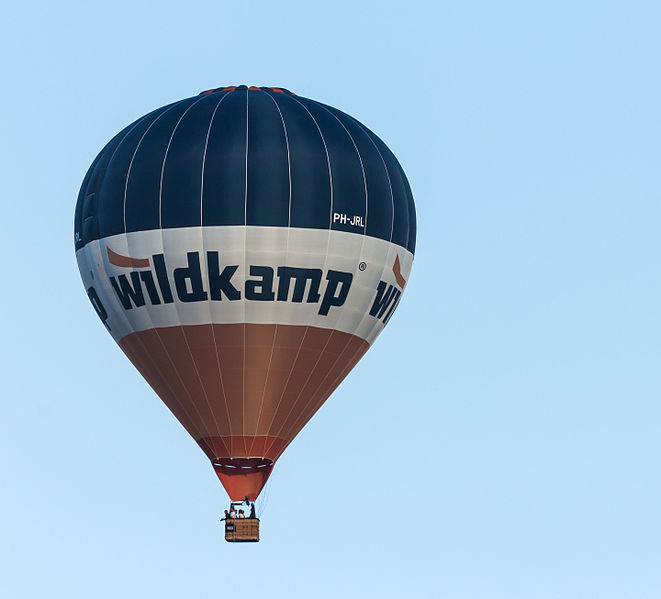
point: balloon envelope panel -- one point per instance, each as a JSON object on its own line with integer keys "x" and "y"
{"x": 245, "y": 247}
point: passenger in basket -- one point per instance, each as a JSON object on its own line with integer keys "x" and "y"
{"x": 227, "y": 515}
{"x": 232, "y": 513}
{"x": 241, "y": 514}
{"x": 252, "y": 511}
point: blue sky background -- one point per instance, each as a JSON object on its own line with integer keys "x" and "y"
{"x": 502, "y": 437}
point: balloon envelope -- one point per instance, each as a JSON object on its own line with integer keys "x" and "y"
{"x": 245, "y": 247}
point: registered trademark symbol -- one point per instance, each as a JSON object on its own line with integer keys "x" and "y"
{"x": 362, "y": 266}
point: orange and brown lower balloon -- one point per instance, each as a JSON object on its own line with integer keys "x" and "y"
{"x": 243, "y": 391}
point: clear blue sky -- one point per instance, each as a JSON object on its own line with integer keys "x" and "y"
{"x": 528, "y": 338}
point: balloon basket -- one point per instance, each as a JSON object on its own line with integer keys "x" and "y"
{"x": 242, "y": 530}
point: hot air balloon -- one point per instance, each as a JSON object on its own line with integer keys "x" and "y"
{"x": 245, "y": 247}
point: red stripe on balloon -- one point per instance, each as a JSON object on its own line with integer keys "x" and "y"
{"x": 126, "y": 261}
{"x": 397, "y": 271}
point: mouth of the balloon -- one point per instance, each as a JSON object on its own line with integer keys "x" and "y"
{"x": 243, "y": 477}
{"x": 242, "y": 465}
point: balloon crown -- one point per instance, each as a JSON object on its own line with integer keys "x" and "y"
{"x": 231, "y": 88}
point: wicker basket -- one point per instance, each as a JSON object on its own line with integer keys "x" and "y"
{"x": 242, "y": 530}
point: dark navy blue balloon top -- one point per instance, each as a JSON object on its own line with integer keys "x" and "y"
{"x": 246, "y": 156}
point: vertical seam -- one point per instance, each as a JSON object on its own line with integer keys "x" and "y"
{"x": 204, "y": 156}
{"x": 245, "y": 263}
